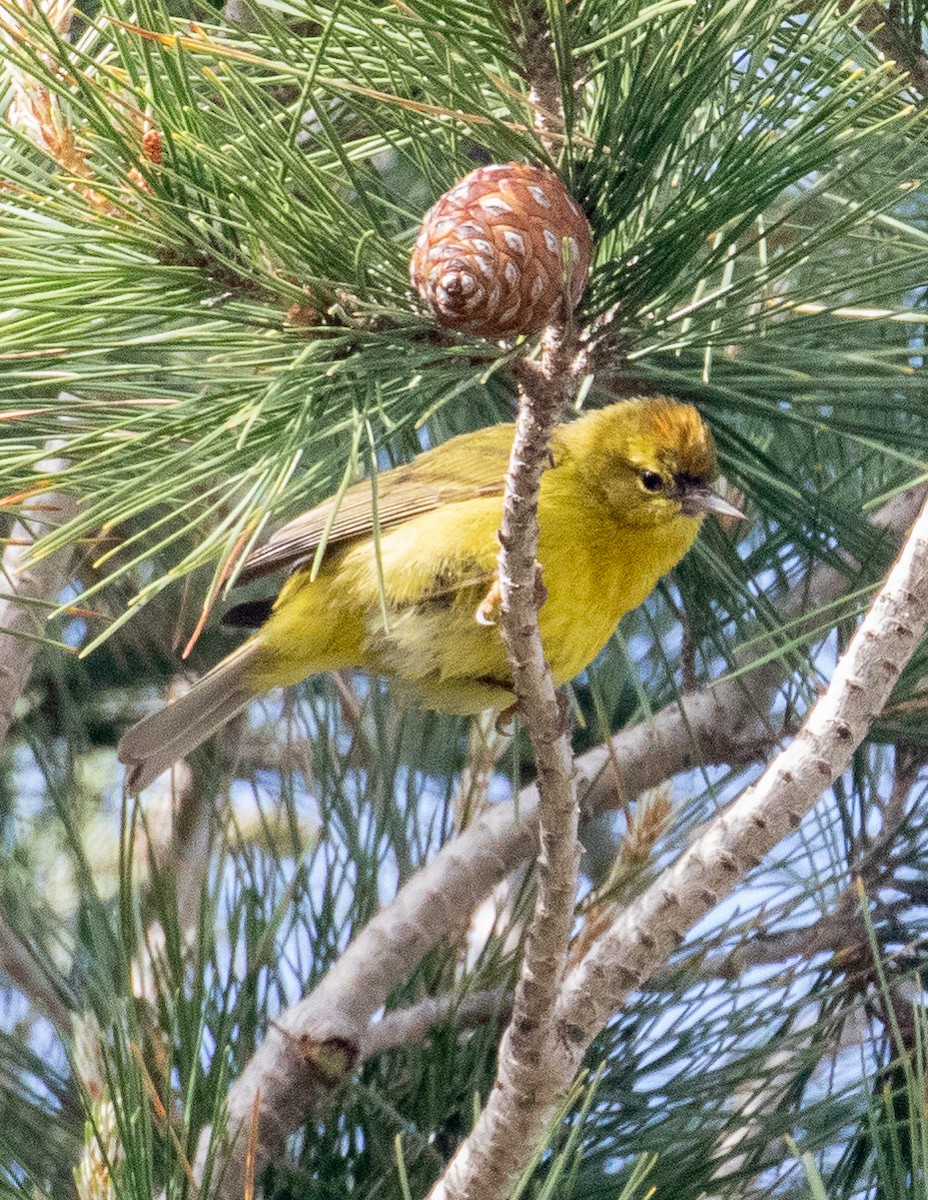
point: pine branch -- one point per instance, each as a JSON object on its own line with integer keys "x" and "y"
{"x": 188, "y": 844}
{"x": 295, "y": 165}
{"x": 403, "y": 1026}
{"x": 178, "y": 821}
{"x": 522, "y": 1079}
{"x": 831, "y": 933}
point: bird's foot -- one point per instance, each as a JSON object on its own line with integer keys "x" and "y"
{"x": 505, "y": 720}
{"x": 489, "y": 606}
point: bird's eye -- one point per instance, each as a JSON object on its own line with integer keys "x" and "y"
{"x": 651, "y": 481}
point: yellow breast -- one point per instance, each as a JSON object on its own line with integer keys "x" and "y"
{"x": 596, "y": 570}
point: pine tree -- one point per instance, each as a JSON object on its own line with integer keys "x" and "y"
{"x": 289, "y": 968}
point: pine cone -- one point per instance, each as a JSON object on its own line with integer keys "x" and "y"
{"x": 490, "y": 258}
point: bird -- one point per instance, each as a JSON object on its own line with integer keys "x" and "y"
{"x": 407, "y": 584}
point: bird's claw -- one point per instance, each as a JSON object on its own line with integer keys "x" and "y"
{"x": 489, "y": 606}
{"x": 505, "y": 720}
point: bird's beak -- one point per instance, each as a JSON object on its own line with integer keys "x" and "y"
{"x": 699, "y": 500}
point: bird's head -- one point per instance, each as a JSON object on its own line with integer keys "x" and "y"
{"x": 649, "y": 460}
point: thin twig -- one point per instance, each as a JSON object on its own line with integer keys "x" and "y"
{"x": 522, "y": 1073}
{"x": 404, "y": 1026}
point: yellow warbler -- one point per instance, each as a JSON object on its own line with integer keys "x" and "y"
{"x": 620, "y": 504}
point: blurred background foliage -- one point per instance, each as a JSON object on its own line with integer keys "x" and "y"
{"x": 205, "y": 221}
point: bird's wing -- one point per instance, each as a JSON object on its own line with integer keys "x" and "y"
{"x": 461, "y": 469}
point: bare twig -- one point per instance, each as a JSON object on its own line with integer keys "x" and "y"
{"x": 522, "y": 1073}
{"x": 405, "y": 1025}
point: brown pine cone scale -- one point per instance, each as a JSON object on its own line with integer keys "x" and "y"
{"x": 503, "y": 252}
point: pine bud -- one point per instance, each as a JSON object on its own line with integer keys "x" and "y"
{"x": 152, "y": 147}
{"x": 504, "y": 252}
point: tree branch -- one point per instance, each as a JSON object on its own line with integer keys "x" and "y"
{"x": 405, "y": 1025}
{"x": 522, "y": 1071}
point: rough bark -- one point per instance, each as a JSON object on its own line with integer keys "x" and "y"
{"x": 522, "y": 1077}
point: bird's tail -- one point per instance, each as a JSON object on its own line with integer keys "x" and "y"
{"x": 158, "y": 741}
